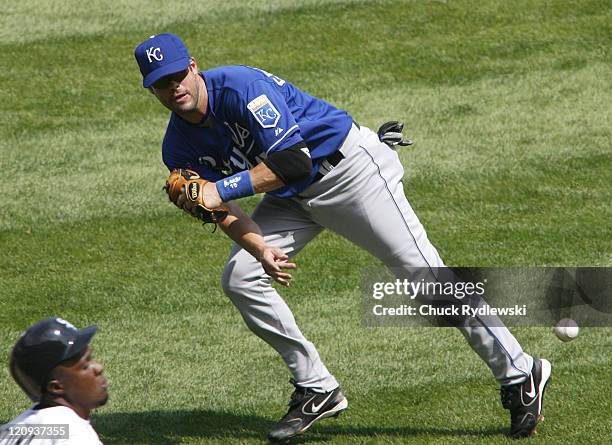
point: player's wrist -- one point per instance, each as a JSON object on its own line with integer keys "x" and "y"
{"x": 235, "y": 187}
{"x": 261, "y": 251}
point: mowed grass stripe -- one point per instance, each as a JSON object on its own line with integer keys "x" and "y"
{"x": 38, "y": 20}
{"x": 435, "y": 45}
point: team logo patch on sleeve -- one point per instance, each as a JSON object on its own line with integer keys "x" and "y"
{"x": 264, "y": 111}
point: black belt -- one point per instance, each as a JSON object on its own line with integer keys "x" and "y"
{"x": 334, "y": 159}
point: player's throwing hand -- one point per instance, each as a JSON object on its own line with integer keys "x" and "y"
{"x": 274, "y": 262}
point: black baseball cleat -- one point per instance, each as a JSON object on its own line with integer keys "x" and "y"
{"x": 305, "y": 408}
{"x": 524, "y": 400}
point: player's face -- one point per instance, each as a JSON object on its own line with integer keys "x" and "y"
{"x": 180, "y": 92}
{"x": 83, "y": 381}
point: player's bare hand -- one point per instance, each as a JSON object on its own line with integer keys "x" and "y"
{"x": 275, "y": 263}
{"x": 211, "y": 197}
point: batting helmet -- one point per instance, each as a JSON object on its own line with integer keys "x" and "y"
{"x": 41, "y": 348}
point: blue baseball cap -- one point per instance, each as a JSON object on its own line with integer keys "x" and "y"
{"x": 159, "y": 56}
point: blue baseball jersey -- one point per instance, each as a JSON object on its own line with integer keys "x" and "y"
{"x": 253, "y": 114}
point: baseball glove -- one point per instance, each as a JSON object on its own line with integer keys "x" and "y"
{"x": 185, "y": 189}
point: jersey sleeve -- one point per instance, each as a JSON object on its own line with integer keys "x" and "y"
{"x": 265, "y": 112}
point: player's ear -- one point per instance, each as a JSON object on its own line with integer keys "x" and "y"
{"x": 193, "y": 63}
{"x": 55, "y": 388}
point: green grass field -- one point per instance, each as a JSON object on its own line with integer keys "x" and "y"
{"x": 510, "y": 107}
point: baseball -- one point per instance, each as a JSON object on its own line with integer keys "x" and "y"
{"x": 567, "y": 329}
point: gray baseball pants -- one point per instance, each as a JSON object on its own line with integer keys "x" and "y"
{"x": 362, "y": 199}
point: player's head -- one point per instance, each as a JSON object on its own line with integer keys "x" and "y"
{"x": 52, "y": 361}
{"x": 170, "y": 73}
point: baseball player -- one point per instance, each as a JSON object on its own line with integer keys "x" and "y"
{"x": 236, "y": 131}
{"x": 53, "y": 364}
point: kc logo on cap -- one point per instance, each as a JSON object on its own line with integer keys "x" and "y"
{"x": 159, "y": 56}
{"x": 155, "y": 53}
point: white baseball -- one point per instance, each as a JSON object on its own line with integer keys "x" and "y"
{"x": 567, "y": 329}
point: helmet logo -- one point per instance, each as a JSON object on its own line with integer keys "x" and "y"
{"x": 66, "y": 323}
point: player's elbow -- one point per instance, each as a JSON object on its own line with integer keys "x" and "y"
{"x": 291, "y": 165}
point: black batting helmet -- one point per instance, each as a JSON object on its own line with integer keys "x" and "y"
{"x": 41, "y": 348}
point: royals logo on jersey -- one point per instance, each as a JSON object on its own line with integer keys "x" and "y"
{"x": 264, "y": 111}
